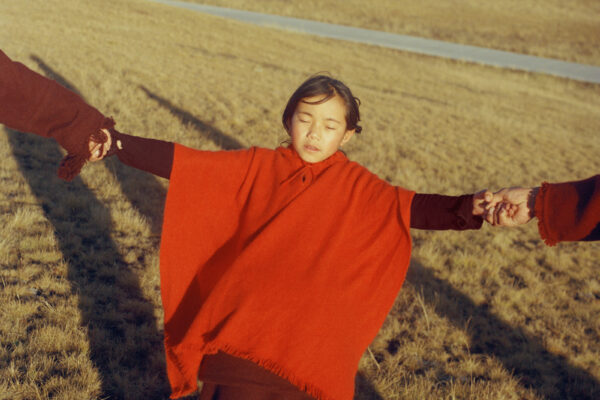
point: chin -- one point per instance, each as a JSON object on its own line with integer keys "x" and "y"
{"x": 309, "y": 158}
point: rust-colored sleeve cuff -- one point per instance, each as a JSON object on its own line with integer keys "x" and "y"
{"x": 569, "y": 211}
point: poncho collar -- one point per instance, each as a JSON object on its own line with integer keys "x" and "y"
{"x": 303, "y": 170}
{"x": 291, "y": 153}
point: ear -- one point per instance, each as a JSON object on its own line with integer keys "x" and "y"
{"x": 347, "y": 136}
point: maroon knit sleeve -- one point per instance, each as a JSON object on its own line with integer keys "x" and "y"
{"x": 150, "y": 155}
{"x": 569, "y": 211}
{"x": 439, "y": 212}
{"x": 30, "y": 102}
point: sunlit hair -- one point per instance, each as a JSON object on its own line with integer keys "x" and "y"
{"x": 323, "y": 85}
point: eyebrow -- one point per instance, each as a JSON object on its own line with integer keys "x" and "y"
{"x": 326, "y": 119}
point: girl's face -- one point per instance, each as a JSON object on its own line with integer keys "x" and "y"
{"x": 319, "y": 130}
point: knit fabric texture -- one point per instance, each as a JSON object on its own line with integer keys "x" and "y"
{"x": 569, "y": 211}
{"x": 35, "y": 104}
{"x": 291, "y": 265}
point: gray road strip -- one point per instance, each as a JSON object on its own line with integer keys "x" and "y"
{"x": 481, "y": 55}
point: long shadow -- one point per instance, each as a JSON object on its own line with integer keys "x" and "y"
{"x": 143, "y": 190}
{"x": 550, "y": 375}
{"x": 364, "y": 390}
{"x": 219, "y": 138}
{"x": 125, "y": 345}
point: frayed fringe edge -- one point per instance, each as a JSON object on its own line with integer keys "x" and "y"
{"x": 71, "y": 165}
{"x": 189, "y": 388}
{"x": 539, "y": 213}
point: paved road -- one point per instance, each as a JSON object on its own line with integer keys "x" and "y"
{"x": 580, "y": 72}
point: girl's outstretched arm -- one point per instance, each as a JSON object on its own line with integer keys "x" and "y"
{"x": 439, "y": 212}
{"x": 150, "y": 155}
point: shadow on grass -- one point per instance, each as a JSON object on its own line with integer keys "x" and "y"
{"x": 143, "y": 190}
{"x": 551, "y": 376}
{"x": 364, "y": 390}
{"x": 125, "y": 345}
{"x": 219, "y": 138}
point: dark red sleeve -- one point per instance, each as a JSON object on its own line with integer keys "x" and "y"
{"x": 439, "y": 212}
{"x": 35, "y": 104}
{"x": 150, "y": 155}
{"x": 569, "y": 211}
{"x": 248, "y": 378}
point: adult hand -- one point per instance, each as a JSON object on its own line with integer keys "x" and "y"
{"x": 511, "y": 206}
{"x": 98, "y": 149}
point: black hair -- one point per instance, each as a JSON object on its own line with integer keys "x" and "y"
{"x": 324, "y": 85}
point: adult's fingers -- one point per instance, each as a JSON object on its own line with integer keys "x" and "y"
{"x": 95, "y": 151}
{"x": 500, "y": 208}
{"x": 107, "y": 144}
{"x": 503, "y": 217}
{"x": 98, "y": 150}
{"x": 489, "y": 215}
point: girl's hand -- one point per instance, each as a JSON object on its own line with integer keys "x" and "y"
{"x": 481, "y": 201}
{"x": 98, "y": 150}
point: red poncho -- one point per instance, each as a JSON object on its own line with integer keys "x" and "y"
{"x": 291, "y": 265}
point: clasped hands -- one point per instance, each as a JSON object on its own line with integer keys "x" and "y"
{"x": 506, "y": 207}
{"x": 99, "y": 150}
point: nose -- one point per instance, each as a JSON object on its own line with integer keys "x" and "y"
{"x": 314, "y": 131}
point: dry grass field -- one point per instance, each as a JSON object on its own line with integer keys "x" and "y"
{"x": 550, "y": 28}
{"x": 488, "y": 314}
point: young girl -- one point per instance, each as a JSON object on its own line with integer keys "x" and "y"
{"x": 278, "y": 267}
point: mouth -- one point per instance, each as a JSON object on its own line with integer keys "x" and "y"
{"x": 310, "y": 148}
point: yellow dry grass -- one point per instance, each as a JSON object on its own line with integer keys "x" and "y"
{"x": 488, "y": 314}
{"x": 551, "y": 28}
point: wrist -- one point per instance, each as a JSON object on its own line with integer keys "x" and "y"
{"x": 116, "y": 143}
{"x": 531, "y": 201}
